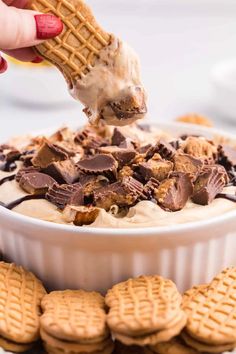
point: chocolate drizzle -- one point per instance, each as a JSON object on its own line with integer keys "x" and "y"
{"x": 230, "y": 197}
{"x": 7, "y": 179}
{"x": 16, "y": 202}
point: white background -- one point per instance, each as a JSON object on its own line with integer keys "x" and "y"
{"x": 179, "y": 41}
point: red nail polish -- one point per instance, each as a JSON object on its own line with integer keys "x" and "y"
{"x": 3, "y": 65}
{"x": 37, "y": 60}
{"x": 48, "y": 26}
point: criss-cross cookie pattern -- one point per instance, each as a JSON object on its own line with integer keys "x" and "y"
{"x": 142, "y": 305}
{"x": 74, "y": 315}
{"x": 75, "y": 50}
{"x": 212, "y": 314}
{"x": 20, "y": 296}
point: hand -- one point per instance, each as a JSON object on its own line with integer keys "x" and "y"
{"x": 21, "y": 29}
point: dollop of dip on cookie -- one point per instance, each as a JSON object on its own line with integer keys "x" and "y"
{"x": 112, "y": 90}
{"x": 126, "y": 177}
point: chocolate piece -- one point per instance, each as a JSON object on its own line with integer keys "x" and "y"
{"x": 8, "y": 156}
{"x": 163, "y": 148}
{"x": 88, "y": 139}
{"x": 210, "y": 182}
{"x": 98, "y": 164}
{"x": 47, "y": 154}
{"x": 144, "y": 149}
{"x": 173, "y": 193}
{"x": 65, "y": 194}
{"x": 24, "y": 171}
{"x": 149, "y": 189}
{"x": 63, "y": 171}
{"x": 123, "y": 140}
{"x": 227, "y": 156}
{"x": 26, "y": 157}
{"x": 158, "y": 169}
{"x": 200, "y": 148}
{"x": 130, "y": 106}
{"x": 123, "y": 193}
{"x": 36, "y": 183}
{"x": 122, "y": 156}
{"x": 188, "y": 164}
{"x": 80, "y": 215}
{"x": 92, "y": 182}
{"x": 118, "y": 137}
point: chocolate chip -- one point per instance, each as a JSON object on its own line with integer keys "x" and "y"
{"x": 47, "y": 154}
{"x": 36, "y": 183}
{"x": 188, "y": 164}
{"x": 61, "y": 195}
{"x": 98, "y": 164}
{"x": 173, "y": 193}
{"x": 210, "y": 182}
{"x": 63, "y": 171}
{"x": 24, "y": 171}
{"x": 163, "y": 148}
{"x": 158, "y": 169}
{"x": 122, "y": 156}
{"x": 122, "y": 193}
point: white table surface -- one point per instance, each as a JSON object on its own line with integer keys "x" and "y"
{"x": 178, "y": 42}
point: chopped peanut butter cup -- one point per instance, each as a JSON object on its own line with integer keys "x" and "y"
{"x": 123, "y": 193}
{"x": 25, "y": 170}
{"x": 210, "y": 182}
{"x": 174, "y": 192}
{"x": 101, "y": 163}
{"x": 81, "y": 215}
{"x": 47, "y": 154}
{"x": 65, "y": 194}
{"x": 165, "y": 149}
{"x": 36, "y": 183}
{"x": 123, "y": 156}
{"x": 63, "y": 171}
{"x": 158, "y": 169}
{"x": 188, "y": 164}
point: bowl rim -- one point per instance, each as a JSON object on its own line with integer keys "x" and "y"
{"x": 25, "y": 221}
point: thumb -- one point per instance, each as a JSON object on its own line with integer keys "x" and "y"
{"x": 26, "y": 28}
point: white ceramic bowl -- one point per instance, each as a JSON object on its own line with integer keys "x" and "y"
{"x": 66, "y": 256}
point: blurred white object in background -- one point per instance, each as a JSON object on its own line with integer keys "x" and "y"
{"x": 223, "y": 79}
{"x": 36, "y": 85}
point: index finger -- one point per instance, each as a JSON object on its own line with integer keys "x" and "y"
{"x": 21, "y": 4}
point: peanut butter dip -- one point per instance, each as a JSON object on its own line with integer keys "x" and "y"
{"x": 112, "y": 90}
{"x": 109, "y": 177}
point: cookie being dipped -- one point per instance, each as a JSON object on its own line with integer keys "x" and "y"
{"x": 102, "y": 71}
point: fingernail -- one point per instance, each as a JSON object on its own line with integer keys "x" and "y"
{"x": 3, "y": 65}
{"x": 48, "y": 26}
{"x": 37, "y": 60}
